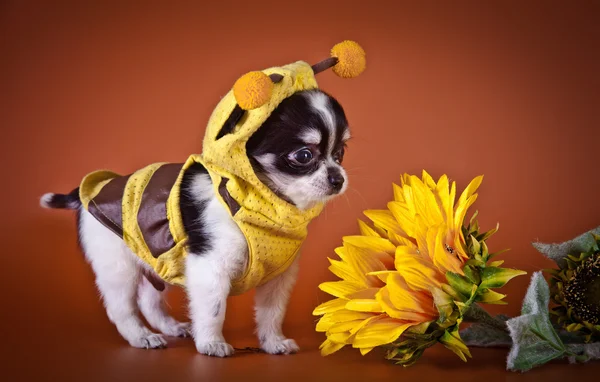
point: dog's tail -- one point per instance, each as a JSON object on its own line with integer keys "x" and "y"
{"x": 70, "y": 201}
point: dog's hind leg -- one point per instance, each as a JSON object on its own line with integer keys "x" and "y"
{"x": 117, "y": 277}
{"x": 152, "y": 306}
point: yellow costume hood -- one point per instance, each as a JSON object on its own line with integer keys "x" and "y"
{"x": 273, "y": 228}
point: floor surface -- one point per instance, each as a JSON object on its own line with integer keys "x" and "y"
{"x": 85, "y": 357}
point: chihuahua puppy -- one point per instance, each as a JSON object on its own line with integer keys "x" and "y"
{"x": 297, "y": 153}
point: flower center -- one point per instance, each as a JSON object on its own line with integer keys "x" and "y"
{"x": 582, "y": 291}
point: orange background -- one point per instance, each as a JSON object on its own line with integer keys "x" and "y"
{"x": 503, "y": 89}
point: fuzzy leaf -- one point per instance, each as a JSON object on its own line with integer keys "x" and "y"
{"x": 482, "y": 335}
{"x": 559, "y": 251}
{"x": 535, "y": 342}
{"x": 494, "y": 277}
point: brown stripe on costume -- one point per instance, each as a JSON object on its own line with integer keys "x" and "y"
{"x": 234, "y": 206}
{"x": 152, "y": 215}
{"x": 107, "y": 208}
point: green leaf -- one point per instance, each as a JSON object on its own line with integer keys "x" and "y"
{"x": 558, "y": 252}
{"x": 460, "y": 283}
{"x": 496, "y": 263}
{"x": 482, "y": 335}
{"x": 494, "y": 277}
{"x": 535, "y": 342}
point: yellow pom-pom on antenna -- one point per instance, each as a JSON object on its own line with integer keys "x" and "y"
{"x": 351, "y": 57}
{"x": 252, "y": 90}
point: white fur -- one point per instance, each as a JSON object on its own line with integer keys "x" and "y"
{"x": 320, "y": 102}
{"x": 305, "y": 191}
{"x": 46, "y": 199}
{"x": 118, "y": 275}
{"x": 302, "y": 191}
{"x": 346, "y": 135}
{"x": 125, "y": 290}
{"x": 121, "y": 283}
{"x": 311, "y": 136}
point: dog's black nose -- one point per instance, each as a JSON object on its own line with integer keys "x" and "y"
{"x": 336, "y": 179}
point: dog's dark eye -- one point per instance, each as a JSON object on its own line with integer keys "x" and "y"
{"x": 339, "y": 156}
{"x": 303, "y": 156}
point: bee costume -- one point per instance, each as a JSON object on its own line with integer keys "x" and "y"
{"x": 143, "y": 208}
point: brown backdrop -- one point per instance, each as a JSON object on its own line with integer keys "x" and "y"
{"x": 495, "y": 88}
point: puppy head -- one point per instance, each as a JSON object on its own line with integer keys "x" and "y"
{"x": 298, "y": 151}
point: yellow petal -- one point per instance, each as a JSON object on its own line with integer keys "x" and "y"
{"x": 442, "y": 259}
{"x": 383, "y": 297}
{"x": 443, "y": 197}
{"x": 348, "y": 315}
{"x": 461, "y": 210}
{"x": 385, "y": 220}
{"x": 364, "y": 305}
{"x": 329, "y": 347}
{"x": 470, "y": 190}
{"x": 365, "y": 230}
{"x": 419, "y": 272}
{"x": 363, "y": 261}
{"x": 365, "y": 293}
{"x": 428, "y": 180}
{"x": 404, "y": 217}
{"x": 364, "y": 351}
{"x": 425, "y": 203}
{"x": 329, "y": 306}
{"x": 340, "y": 288}
{"x": 364, "y": 301}
{"x": 379, "y": 332}
{"x": 375, "y": 244}
{"x": 398, "y": 195}
{"x": 406, "y": 299}
{"x": 346, "y": 272}
{"x": 324, "y": 323}
{"x": 345, "y": 326}
{"x": 382, "y": 275}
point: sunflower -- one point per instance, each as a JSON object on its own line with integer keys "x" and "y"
{"x": 575, "y": 289}
{"x": 408, "y": 279}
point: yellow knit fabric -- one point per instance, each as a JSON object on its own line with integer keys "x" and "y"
{"x": 273, "y": 228}
{"x": 169, "y": 266}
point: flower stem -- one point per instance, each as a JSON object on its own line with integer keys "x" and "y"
{"x": 476, "y": 313}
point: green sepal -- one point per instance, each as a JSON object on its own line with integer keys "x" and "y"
{"x": 460, "y": 283}
{"x": 488, "y": 296}
{"x": 494, "y": 277}
{"x": 444, "y": 304}
{"x": 472, "y": 274}
{"x": 452, "y": 341}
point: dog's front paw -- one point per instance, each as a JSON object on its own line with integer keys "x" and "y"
{"x": 215, "y": 349}
{"x": 149, "y": 341}
{"x": 280, "y": 346}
